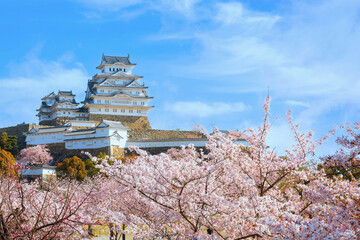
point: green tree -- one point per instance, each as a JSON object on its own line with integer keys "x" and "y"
{"x": 3, "y": 139}
{"x": 9, "y": 143}
{"x": 72, "y": 168}
{"x": 90, "y": 168}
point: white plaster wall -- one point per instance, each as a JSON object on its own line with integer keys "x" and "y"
{"x": 88, "y": 143}
{"x": 107, "y": 70}
{"x": 40, "y": 139}
{"x": 38, "y": 171}
{"x": 118, "y": 142}
{"x": 102, "y": 132}
{"x": 66, "y": 98}
{"x": 126, "y": 113}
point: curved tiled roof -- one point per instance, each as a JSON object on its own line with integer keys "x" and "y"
{"x": 115, "y": 59}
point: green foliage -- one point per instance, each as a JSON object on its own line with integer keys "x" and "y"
{"x": 90, "y": 165}
{"x": 72, "y": 168}
{"x": 90, "y": 168}
{"x": 3, "y": 140}
{"x": 349, "y": 173}
{"x": 9, "y": 143}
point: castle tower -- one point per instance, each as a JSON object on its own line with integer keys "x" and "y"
{"x": 56, "y": 109}
{"x": 116, "y": 94}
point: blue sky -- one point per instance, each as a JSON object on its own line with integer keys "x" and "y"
{"x": 206, "y": 62}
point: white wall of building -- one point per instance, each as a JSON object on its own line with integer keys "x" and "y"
{"x": 87, "y": 143}
{"x": 38, "y": 171}
{"x": 45, "y": 138}
{"x": 119, "y": 111}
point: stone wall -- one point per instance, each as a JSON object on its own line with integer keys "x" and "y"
{"x": 117, "y": 151}
{"x": 162, "y": 134}
{"x": 59, "y": 152}
{"x": 133, "y": 122}
{"x": 19, "y": 131}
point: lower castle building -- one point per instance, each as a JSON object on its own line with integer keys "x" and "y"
{"x": 109, "y": 137}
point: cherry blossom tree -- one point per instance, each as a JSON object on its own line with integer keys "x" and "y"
{"x": 345, "y": 162}
{"x": 36, "y": 155}
{"x": 233, "y": 191}
{"x": 57, "y": 210}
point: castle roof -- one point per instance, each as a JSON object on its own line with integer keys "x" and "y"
{"x": 115, "y": 59}
{"x": 112, "y": 124}
{"x": 65, "y": 93}
{"x": 48, "y": 130}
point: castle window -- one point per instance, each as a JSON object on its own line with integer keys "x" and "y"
{"x": 124, "y": 70}
{"x": 109, "y": 69}
{"x": 114, "y": 110}
{"x": 114, "y": 69}
{"x": 130, "y": 111}
{"x": 138, "y": 111}
{"x": 101, "y": 90}
{"x": 99, "y": 109}
{"x": 106, "y": 110}
{"x": 135, "y": 103}
{"x": 142, "y": 103}
{"x": 98, "y": 101}
{"x": 122, "y": 110}
{"x": 137, "y": 92}
{"x": 106, "y": 101}
{"x": 63, "y": 112}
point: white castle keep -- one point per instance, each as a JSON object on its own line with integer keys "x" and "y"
{"x": 115, "y": 91}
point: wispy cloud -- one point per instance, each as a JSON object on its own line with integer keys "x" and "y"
{"x": 203, "y": 109}
{"x": 32, "y": 79}
{"x": 309, "y": 52}
{"x": 109, "y": 5}
{"x": 184, "y": 8}
{"x": 296, "y": 103}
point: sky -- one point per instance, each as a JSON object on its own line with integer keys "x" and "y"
{"x": 206, "y": 62}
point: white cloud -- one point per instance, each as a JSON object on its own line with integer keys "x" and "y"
{"x": 109, "y": 5}
{"x": 201, "y": 109}
{"x": 32, "y": 79}
{"x": 296, "y": 103}
{"x": 309, "y": 52}
{"x": 182, "y": 7}
{"x": 229, "y": 13}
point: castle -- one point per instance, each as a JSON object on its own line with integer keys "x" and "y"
{"x": 112, "y": 117}
{"x": 113, "y": 94}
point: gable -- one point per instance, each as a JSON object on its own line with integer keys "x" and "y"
{"x": 116, "y": 135}
{"x": 106, "y": 82}
{"x": 134, "y": 84}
